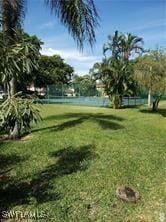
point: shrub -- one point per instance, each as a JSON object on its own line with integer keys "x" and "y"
{"x": 17, "y": 114}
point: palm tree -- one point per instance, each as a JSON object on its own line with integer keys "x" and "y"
{"x": 79, "y": 17}
{"x": 115, "y": 75}
{"x": 113, "y": 44}
{"x": 131, "y": 43}
{"x": 121, "y": 45}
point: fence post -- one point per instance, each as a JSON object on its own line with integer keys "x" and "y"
{"x": 47, "y": 94}
{"x": 62, "y": 90}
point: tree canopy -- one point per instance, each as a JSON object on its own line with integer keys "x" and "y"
{"x": 150, "y": 73}
{"x": 19, "y": 59}
{"x": 52, "y": 70}
{"x": 123, "y": 44}
{"x": 84, "y": 85}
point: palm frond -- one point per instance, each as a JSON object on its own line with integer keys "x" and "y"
{"x": 12, "y": 13}
{"x": 79, "y": 16}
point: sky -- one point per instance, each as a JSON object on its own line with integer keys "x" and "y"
{"x": 144, "y": 18}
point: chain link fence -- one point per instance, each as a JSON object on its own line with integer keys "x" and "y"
{"x": 76, "y": 94}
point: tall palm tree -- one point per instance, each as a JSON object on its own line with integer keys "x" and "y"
{"x": 131, "y": 43}
{"x": 113, "y": 44}
{"x": 78, "y": 16}
{"x": 122, "y": 45}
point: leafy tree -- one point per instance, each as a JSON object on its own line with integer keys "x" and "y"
{"x": 84, "y": 85}
{"x": 150, "y": 73}
{"x": 52, "y": 70}
{"x": 15, "y": 60}
{"x": 25, "y": 76}
{"x": 18, "y": 59}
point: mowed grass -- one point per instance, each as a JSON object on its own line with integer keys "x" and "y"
{"x": 73, "y": 161}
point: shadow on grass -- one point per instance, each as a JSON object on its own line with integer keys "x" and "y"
{"x": 40, "y": 187}
{"x": 105, "y": 121}
{"x": 72, "y": 160}
{"x": 8, "y": 161}
{"x": 159, "y": 111}
{"x": 109, "y": 125}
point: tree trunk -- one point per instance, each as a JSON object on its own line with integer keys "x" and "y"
{"x": 12, "y": 86}
{"x": 156, "y": 103}
{"x": 10, "y": 22}
{"x": 15, "y": 133}
{"x": 149, "y": 98}
{"x": 116, "y": 101}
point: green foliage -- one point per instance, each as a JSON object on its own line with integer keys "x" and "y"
{"x": 116, "y": 75}
{"x": 122, "y": 45}
{"x": 79, "y": 17}
{"x": 85, "y": 85}
{"x": 150, "y": 71}
{"x": 19, "y": 111}
{"x": 52, "y": 70}
{"x": 116, "y": 72}
{"x": 18, "y": 59}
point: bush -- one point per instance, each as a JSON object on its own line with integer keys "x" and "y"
{"x": 17, "y": 114}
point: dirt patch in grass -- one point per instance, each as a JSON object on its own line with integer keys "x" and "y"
{"x": 6, "y": 138}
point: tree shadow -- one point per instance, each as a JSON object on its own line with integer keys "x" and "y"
{"x": 68, "y": 124}
{"x": 40, "y": 187}
{"x": 105, "y": 121}
{"x": 7, "y": 161}
{"x": 109, "y": 125}
{"x": 71, "y": 160}
{"x": 160, "y": 111}
{"x": 85, "y": 115}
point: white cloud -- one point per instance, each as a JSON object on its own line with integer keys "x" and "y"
{"x": 80, "y": 61}
{"x": 69, "y": 54}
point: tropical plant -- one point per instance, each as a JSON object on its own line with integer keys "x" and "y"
{"x": 116, "y": 76}
{"x": 80, "y": 17}
{"x": 122, "y": 45}
{"x": 16, "y": 115}
{"x": 116, "y": 71}
{"x": 113, "y": 45}
{"x": 131, "y": 43}
{"x": 17, "y": 59}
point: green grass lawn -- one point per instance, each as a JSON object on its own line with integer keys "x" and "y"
{"x": 73, "y": 161}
